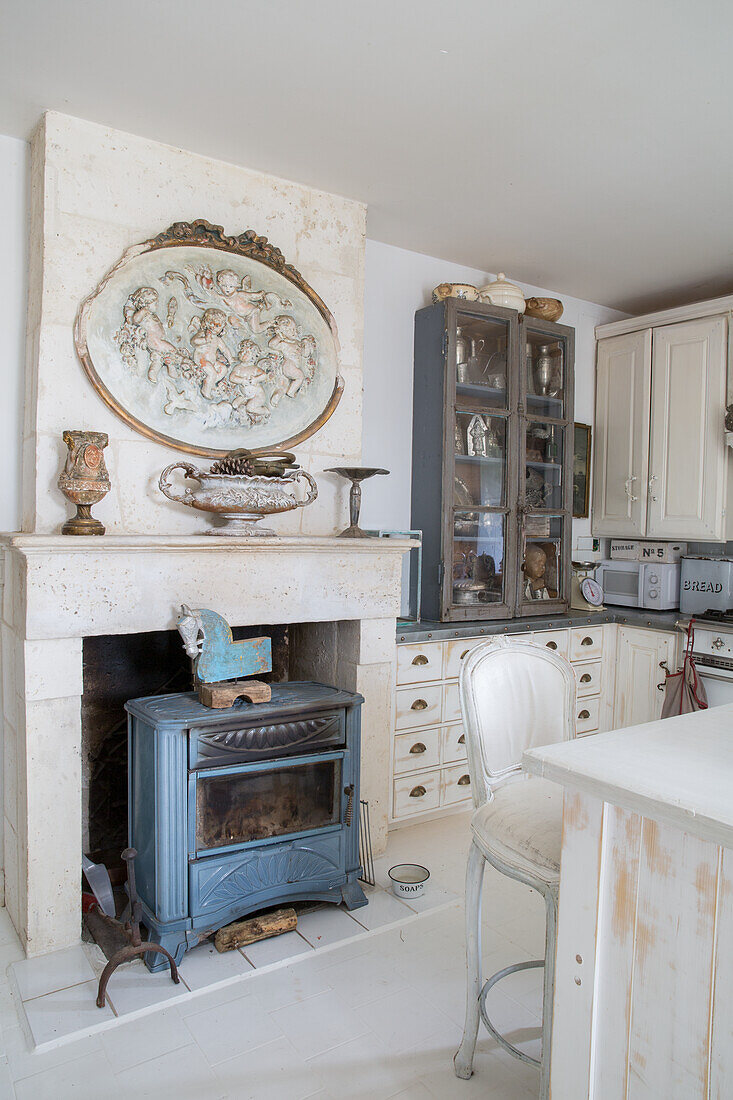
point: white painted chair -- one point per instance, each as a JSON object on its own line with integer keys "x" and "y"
{"x": 514, "y": 696}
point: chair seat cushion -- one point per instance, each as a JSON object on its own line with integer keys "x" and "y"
{"x": 522, "y": 826}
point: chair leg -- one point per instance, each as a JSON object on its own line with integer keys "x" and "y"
{"x": 548, "y": 990}
{"x": 463, "y": 1060}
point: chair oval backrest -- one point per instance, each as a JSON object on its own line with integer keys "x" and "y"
{"x": 514, "y": 696}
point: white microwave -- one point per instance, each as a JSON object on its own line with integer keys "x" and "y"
{"x": 653, "y": 585}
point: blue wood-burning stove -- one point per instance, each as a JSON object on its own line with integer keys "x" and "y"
{"x": 234, "y": 810}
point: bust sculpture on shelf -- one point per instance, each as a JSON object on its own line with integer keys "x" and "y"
{"x": 534, "y": 569}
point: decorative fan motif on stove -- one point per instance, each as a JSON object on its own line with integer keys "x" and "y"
{"x": 266, "y": 738}
{"x": 265, "y": 872}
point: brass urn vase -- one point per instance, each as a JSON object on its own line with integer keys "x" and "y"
{"x": 84, "y": 480}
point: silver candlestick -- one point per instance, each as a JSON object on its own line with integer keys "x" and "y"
{"x": 355, "y": 474}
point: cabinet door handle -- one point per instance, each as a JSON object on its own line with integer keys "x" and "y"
{"x": 419, "y": 704}
{"x": 586, "y": 678}
{"x": 584, "y": 714}
{"x": 551, "y": 645}
{"x": 462, "y": 739}
{"x": 652, "y": 479}
{"x": 418, "y": 748}
{"x": 587, "y": 641}
{"x": 421, "y": 659}
{"x": 464, "y": 781}
{"x": 627, "y": 484}
{"x": 418, "y": 792}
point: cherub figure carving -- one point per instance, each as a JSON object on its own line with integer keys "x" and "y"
{"x": 248, "y": 376}
{"x": 143, "y": 328}
{"x": 211, "y": 356}
{"x": 247, "y": 306}
{"x": 284, "y": 339}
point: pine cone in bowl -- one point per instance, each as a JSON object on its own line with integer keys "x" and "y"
{"x": 236, "y": 462}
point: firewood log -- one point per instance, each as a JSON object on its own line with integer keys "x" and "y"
{"x": 255, "y": 928}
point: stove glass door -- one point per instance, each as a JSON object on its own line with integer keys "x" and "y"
{"x": 719, "y": 690}
{"x": 236, "y": 806}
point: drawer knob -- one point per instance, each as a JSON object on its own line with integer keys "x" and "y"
{"x": 421, "y": 659}
{"x": 551, "y": 645}
{"x": 586, "y": 678}
{"x": 418, "y": 792}
{"x": 418, "y": 748}
{"x": 419, "y": 704}
{"x": 584, "y": 714}
{"x": 465, "y": 653}
{"x": 587, "y": 641}
{"x": 464, "y": 781}
{"x": 462, "y": 739}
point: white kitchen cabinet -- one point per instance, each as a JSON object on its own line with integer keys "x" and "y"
{"x": 660, "y": 465}
{"x": 639, "y": 657}
{"x": 621, "y": 456}
{"x": 688, "y": 457}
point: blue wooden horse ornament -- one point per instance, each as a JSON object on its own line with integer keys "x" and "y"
{"x": 222, "y": 662}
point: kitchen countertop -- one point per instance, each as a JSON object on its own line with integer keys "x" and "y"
{"x": 678, "y": 771}
{"x": 426, "y": 631}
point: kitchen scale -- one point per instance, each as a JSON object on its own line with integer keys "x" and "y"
{"x": 586, "y": 593}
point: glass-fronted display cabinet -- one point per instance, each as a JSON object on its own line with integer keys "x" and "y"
{"x": 492, "y": 461}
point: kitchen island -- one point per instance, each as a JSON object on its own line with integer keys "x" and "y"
{"x": 643, "y": 1003}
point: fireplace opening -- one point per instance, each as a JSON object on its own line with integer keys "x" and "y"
{"x": 117, "y": 668}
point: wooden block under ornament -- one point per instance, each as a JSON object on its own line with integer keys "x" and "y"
{"x": 255, "y": 928}
{"x": 218, "y": 696}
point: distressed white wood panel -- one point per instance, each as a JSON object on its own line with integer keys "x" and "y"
{"x": 638, "y": 672}
{"x": 673, "y": 966}
{"x": 576, "y": 939}
{"x": 615, "y": 951}
{"x": 621, "y": 445}
{"x": 721, "y": 1054}
{"x": 688, "y": 460}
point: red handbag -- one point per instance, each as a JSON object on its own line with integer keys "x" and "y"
{"x": 684, "y": 691}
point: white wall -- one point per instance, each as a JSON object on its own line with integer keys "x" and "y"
{"x": 14, "y": 165}
{"x": 397, "y": 283}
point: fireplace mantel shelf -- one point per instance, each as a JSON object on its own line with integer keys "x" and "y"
{"x": 29, "y": 544}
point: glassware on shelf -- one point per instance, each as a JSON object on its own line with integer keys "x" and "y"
{"x": 478, "y": 559}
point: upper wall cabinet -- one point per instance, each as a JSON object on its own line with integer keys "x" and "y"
{"x": 661, "y": 463}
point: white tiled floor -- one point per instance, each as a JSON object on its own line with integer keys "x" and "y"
{"x": 336, "y": 1011}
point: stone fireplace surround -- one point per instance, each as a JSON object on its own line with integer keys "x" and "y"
{"x": 340, "y": 598}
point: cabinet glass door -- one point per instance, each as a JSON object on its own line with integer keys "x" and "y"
{"x": 484, "y": 387}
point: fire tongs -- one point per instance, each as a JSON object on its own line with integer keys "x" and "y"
{"x": 132, "y": 931}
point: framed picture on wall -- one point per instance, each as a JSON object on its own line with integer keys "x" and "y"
{"x": 581, "y": 470}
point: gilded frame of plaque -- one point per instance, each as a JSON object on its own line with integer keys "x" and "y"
{"x": 210, "y": 343}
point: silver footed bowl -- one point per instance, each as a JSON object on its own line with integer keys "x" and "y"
{"x": 240, "y": 500}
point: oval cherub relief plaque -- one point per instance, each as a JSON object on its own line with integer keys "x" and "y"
{"x": 211, "y": 343}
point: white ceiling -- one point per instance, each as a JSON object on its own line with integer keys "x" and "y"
{"x": 581, "y": 145}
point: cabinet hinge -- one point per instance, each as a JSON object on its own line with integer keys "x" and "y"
{"x": 445, "y": 342}
{"x": 441, "y": 572}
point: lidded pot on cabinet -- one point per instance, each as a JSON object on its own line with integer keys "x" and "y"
{"x": 503, "y": 293}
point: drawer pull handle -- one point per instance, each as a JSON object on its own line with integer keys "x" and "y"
{"x": 587, "y": 641}
{"x": 551, "y": 645}
{"x": 464, "y": 781}
{"x": 462, "y": 739}
{"x": 465, "y": 653}
{"x": 586, "y": 678}
{"x": 418, "y": 748}
{"x": 418, "y": 792}
{"x": 421, "y": 659}
{"x": 584, "y": 714}
{"x": 419, "y": 704}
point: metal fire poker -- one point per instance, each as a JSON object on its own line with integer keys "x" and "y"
{"x": 132, "y": 931}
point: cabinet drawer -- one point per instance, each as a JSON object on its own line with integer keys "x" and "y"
{"x": 586, "y": 642}
{"x": 416, "y": 751}
{"x": 456, "y": 785}
{"x": 556, "y": 640}
{"x": 418, "y": 706}
{"x": 455, "y": 651}
{"x": 588, "y": 676}
{"x": 414, "y": 794}
{"x": 454, "y": 744}
{"x": 587, "y": 714}
{"x": 451, "y": 703}
{"x": 418, "y": 663}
